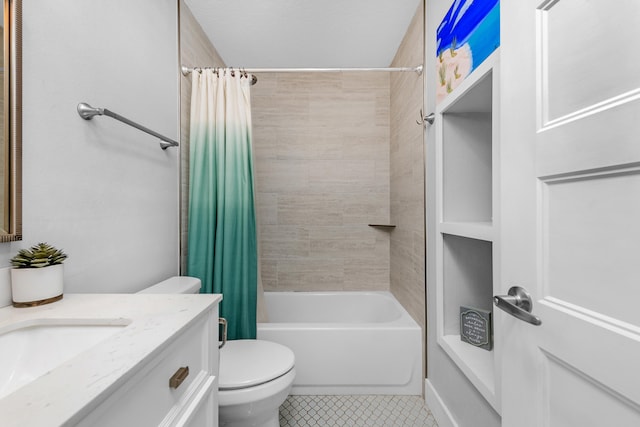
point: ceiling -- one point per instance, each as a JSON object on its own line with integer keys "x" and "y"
{"x": 305, "y": 33}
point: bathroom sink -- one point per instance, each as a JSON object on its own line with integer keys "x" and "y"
{"x": 31, "y": 349}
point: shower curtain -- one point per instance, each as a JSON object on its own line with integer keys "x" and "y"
{"x": 222, "y": 225}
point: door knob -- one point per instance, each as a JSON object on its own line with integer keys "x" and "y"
{"x": 517, "y": 303}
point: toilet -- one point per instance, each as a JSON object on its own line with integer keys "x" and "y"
{"x": 255, "y": 375}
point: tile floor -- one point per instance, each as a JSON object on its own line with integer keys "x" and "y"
{"x": 356, "y": 411}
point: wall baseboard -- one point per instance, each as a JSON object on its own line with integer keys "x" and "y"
{"x": 436, "y": 405}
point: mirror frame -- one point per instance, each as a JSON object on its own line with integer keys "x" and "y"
{"x": 11, "y": 225}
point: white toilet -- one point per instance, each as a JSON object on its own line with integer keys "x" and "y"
{"x": 255, "y": 375}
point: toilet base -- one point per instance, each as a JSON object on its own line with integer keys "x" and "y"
{"x": 273, "y": 421}
{"x": 257, "y": 406}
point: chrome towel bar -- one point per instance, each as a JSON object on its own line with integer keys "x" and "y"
{"x": 87, "y": 112}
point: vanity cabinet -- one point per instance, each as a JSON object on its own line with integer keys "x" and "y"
{"x": 146, "y": 397}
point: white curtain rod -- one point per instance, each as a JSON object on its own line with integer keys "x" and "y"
{"x": 186, "y": 70}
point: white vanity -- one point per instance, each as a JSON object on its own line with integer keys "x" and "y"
{"x": 111, "y": 360}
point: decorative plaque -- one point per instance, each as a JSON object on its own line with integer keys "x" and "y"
{"x": 476, "y": 327}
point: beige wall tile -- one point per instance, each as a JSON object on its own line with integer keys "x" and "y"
{"x": 278, "y": 176}
{"x": 269, "y": 274}
{"x": 365, "y": 275}
{"x": 267, "y": 204}
{"x": 334, "y": 242}
{"x": 311, "y": 274}
{"x": 312, "y": 209}
{"x": 329, "y": 167}
{"x": 278, "y": 242}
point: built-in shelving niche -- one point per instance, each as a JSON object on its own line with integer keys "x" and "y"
{"x": 468, "y": 278}
{"x": 467, "y": 196}
{"x": 467, "y": 159}
{"x": 468, "y": 281}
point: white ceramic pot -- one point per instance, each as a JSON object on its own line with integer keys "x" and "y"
{"x": 37, "y": 286}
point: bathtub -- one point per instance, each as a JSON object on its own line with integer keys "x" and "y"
{"x": 346, "y": 342}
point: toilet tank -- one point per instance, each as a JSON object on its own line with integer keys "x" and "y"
{"x": 175, "y": 285}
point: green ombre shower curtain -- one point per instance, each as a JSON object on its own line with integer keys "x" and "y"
{"x": 222, "y": 225}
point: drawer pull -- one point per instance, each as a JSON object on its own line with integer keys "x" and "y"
{"x": 177, "y": 378}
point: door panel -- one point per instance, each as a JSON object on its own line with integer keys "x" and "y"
{"x": 599, "y": 347}
{"x": 571, "y": 191}
{"x": 591, "y": 242}
{"x": 587, "y": 82}
{"x": 591, "y": 407}
{"x": 612, "y": 131}
{"x": 585, "y": 46}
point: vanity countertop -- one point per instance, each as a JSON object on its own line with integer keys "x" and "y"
{"x": 69, "y": 392}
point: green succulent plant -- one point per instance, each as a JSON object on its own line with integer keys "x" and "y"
{"x": 38, "y": 256}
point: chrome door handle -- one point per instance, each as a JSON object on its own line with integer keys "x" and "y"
{"x": 518, "y": 303}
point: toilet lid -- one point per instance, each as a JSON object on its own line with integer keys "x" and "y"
{"x": 247, "y": 363}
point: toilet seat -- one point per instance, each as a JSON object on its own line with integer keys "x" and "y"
{"x": 248, "y": 363}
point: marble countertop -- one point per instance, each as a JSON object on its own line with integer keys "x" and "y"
{"x": 69, "y": 392}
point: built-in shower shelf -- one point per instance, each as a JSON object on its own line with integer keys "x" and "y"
{"x": 390, "y": 226}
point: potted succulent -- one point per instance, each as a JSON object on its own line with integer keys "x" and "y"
{"x": 37, "y": 276}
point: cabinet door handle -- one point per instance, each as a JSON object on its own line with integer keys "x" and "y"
{"x": 177, "y": 378}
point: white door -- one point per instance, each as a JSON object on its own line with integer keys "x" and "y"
{"x": 570, "y": 183}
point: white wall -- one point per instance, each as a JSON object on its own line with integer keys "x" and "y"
{"x": 466, "y": 405}
{"x": 102, "y": 191}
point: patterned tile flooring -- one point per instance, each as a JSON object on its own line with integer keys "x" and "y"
{"x": 356, "y": 411}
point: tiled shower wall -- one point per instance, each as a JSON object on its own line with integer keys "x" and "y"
{"x": 407, "y": 176}
{"x": 195, "y": 51}
{"x": 321, "y": 144}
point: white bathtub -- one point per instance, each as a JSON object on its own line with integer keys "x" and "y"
{"x": 346, "y": 342}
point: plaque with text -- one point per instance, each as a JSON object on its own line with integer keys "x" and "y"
{"x": 476, "y": 328}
